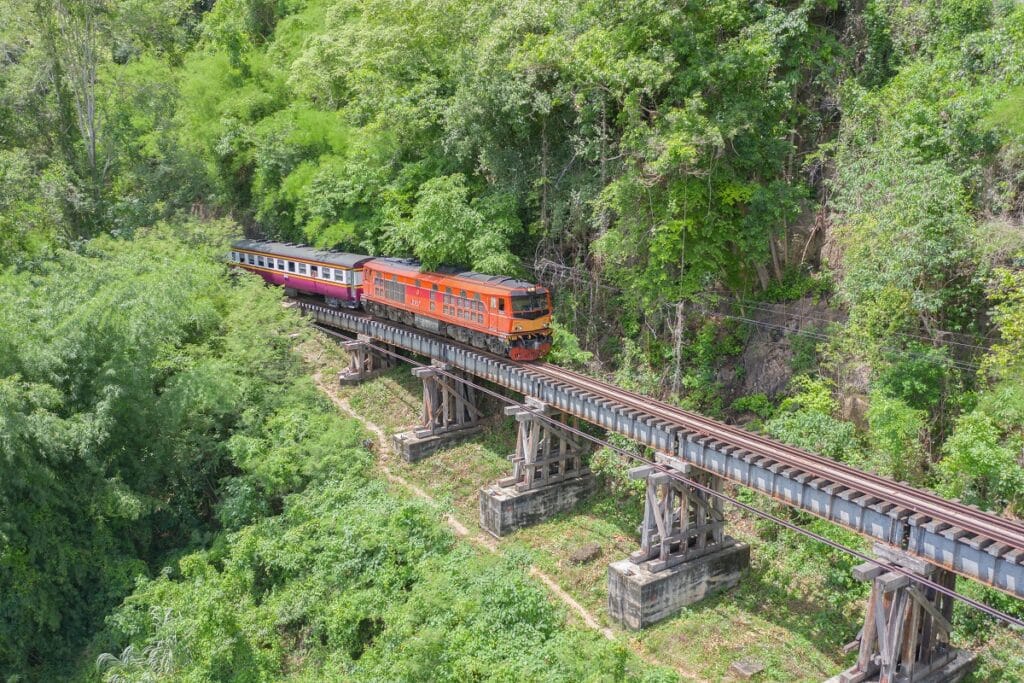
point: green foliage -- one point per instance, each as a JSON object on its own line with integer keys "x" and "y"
{"x": 918, "y": 239}
{"x": 348, "y": 582}
{"x": 798, "y": 283}
{"x": 1006, "y": 112}
{"x": 1007, "y": 292}
{"x": 117, "y": 396}
{"x": 979, "y": 467}
{"x": 894, "y": 436}
{"x": 664, "y": 150}
{"x": 614, "y": 467}
{"x": 30, "y": 211}
{"x": 565, "y": 347}
{"x": 919, "y": 376}
{"x": 759, "y": 404}
{"x": 807, "y": 419}
{"x": 475, "y": 234}
{"x": 806, "y": 350}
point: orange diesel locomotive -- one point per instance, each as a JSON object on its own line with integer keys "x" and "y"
{"x": 500, "y": 314}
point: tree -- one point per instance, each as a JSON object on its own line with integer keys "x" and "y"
{"x": 447, "y": 228}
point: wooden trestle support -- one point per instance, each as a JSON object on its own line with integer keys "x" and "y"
{"x": 450, "y": 411}
{"x": 545, "y": 454}
{"x": 364, "y": 361}
{"x": 448, "y": 403}
{"x": 906, "y": 626}
{"x": 684, "y": 553}
{"x": 549, "y": 475}
{"x": 681, "y": 522}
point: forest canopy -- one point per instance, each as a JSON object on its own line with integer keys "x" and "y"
{"x": 806, "y": 217}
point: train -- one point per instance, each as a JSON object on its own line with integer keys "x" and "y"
{"x": 502, "y": 315}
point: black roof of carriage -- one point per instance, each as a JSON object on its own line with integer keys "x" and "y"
{"x": 413, "y": 266}
{"x": 302, "y": 251}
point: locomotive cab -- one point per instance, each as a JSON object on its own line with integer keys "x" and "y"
{"x": 531, "y": 305}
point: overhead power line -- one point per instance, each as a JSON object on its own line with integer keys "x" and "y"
{"x": 824, "y": 336}
{"x": 589, "y": 278}
{"x": 677, "y": 476}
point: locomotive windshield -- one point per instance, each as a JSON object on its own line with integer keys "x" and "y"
{"x": 529, "y": 306}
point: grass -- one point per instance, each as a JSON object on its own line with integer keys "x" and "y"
{"x": 793, "y": 610}
{"x": 455, "y": 474}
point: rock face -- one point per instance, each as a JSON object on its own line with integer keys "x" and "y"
{"x": 585, "y": 553}
{"x": 785, "y": 331}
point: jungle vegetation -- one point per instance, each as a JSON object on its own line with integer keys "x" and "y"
{"x": 679, "y": 172}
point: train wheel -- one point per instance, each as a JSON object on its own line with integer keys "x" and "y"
{"x": 496, "y": 346}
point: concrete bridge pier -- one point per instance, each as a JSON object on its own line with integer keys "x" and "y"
{"x": 548, "y": 474}
{"x": 906, "y": 626}
{"x": 684, "y": 553}
{"x": 364, "y": 361}
{"x": 451, "y": 412}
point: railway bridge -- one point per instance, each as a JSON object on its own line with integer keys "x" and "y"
{"x": 922, "y": 541}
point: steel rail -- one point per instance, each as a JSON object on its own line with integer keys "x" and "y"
{"x": 999, "y": 529}
{"x": 678, "y": 476}
{"x": 930, "y": 527}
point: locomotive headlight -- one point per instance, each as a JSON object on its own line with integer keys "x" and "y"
{"x": 518, "y": 328}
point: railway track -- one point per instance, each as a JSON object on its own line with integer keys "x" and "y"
{"x": 986, "y": 526}
{"x": 974, "y": 543}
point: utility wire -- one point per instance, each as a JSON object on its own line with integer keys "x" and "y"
{"x": 767, "y": 307}
{"x": 586, "y": 277}
{"x": 824, "y": 336}
{"x": 677, "y": 476}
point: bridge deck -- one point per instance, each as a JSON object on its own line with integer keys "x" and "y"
{"x": 975, "y": 544}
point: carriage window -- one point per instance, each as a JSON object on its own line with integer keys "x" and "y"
{"x": 326, "y": 273}
{"x": 501, "y": 305}
{"x": 302, "y": 269}
{"x": 262, "y": 261}
{"x": 280, "y": 264}
{"x": 291, "y": 266}
{"x": 312, "y": 270}
{"x": 339, "y": 275}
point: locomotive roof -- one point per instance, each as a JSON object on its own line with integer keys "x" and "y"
{"x": 301, "y": 251}
{"x": 413, "y": 266}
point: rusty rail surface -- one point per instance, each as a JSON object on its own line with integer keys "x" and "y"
{"x": 971, "y": 542}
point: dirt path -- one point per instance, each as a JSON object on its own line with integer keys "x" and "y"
{"x": 477, "y": 536}
{"x": 481, "y": 539}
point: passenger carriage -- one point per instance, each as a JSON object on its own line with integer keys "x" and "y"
{"x": 334, "y": 275}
